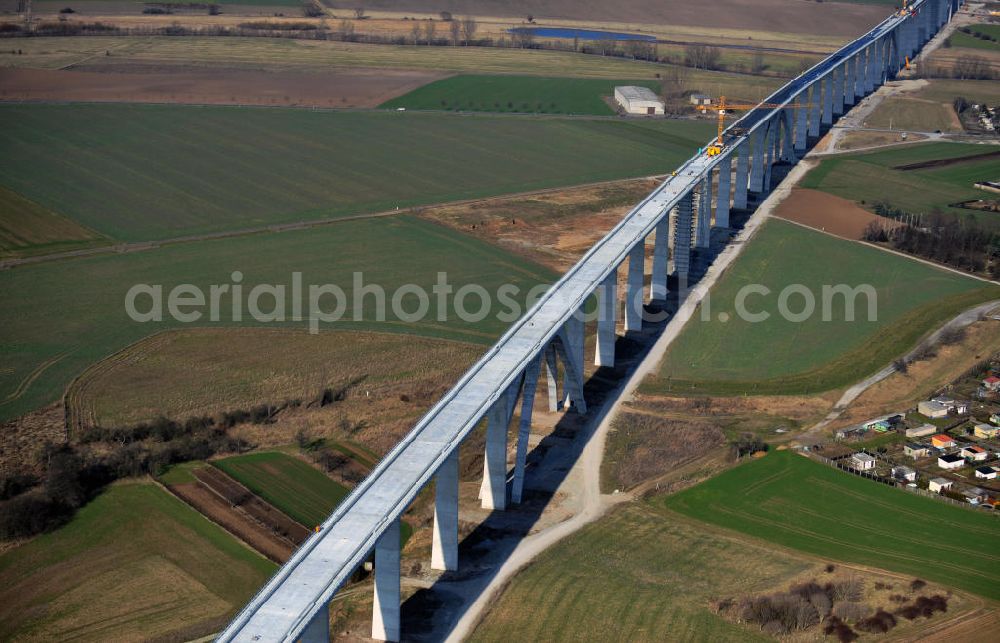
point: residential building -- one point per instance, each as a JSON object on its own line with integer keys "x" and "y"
{"x": 638, "y": 100}
{"x": 904, "y": 473}
{"x": 992, "y": 383}
{"x": 937, "y": 485}
{"x": 921, "y": 431}
{"x": 701, "y": 99}
{"x": 951, "y": 461}
{"x": 974, "y": 452}
{"x": 942, "y": 441}
{"x": 975, "y": 495}
{"x": 986, "y": 473}
{"x": 986, "y": 431}
{"x": 932, "y": 409}
{"x": 863, "y": 462}
{"x": 958, "y": 406}
{"x": 915, "y": 450}
{"x": 995, "y": 418}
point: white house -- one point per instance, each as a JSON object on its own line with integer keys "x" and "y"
{"x": 916, "y": 450}
{"x": 974, "y": 452}
{"x": 986, "y": 473}
{"x": 937, "y": 485}
{"x": 862, "y": 461}
{"x": 952, "y": 461}
{"x": 638, "y": 100}
{"x": 904, "y": 473}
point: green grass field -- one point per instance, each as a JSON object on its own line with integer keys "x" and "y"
{"x": 135, "y": 563}
{"x": 789, "y": 500}
{"x": 970, "y": 41}
{"x": 28, "y": 229}
{"x": 531, "y": 94}
{"x": 870, "y": 178}
{"x": 640, "y": 573}
{"x": 780, "y": 356}
{"x": 297, "y": 489}
{"x": 135, "y": 172}
{"x": 61, "y": 317}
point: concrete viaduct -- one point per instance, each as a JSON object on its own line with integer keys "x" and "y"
{"x": 678, "y": 215}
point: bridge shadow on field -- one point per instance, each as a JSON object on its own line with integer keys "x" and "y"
{"x": 431, "y": 613}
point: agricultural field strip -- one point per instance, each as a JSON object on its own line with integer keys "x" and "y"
{"x": 352, "y": 530}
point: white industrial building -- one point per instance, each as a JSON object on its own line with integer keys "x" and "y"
{"x": 638, "y": 100}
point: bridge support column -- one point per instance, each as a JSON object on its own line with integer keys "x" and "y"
{"x": 493, "y": 491}
{"x": 787, "y": 146}
{"x": 318, "y": 630}
{"x": 683, "y": 223}
{"x": 869, "y": 69}
{"x": 851, "y": 70}
{"x": 607, "y": 309}
{"x": 757, "y": 168}
{"x": 828, "y": 100}
{"x": 573, "y": 345}
{"x": 742, "y": 175}
{"x": 816, "y": 106}
{"x": 770, "y": 156}
{"x": 444, "y": 547}
{"x": 801, "y": 122}
{"x": 704, "y": 225}
{"x": 385, "y": 610}
{"x": 634, "y": 287}
{"x": 523, "y": 430}
{"x": 838, "y": 90}
{"x": 859, "y": 75}
{"x": 570, "y": 350}
{"x": 722, "y": 198}
{"x": 552, "y": 383}
{"x": 661, "y": 253}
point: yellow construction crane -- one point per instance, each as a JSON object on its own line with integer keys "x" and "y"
{"x": 714, "y": 148}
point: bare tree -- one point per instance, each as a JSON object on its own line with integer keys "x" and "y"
{"x": 347, "y": 29}
{"x": 972, "y": 68}
{"x": 469, "y": 27}
{"x": 359, "y": 13}
{"x": 429, "y": 28}
{"x": 446, "y": 16}
{"x": 456, "y": 31}
{"x": 702, "y": 56}
{"x": 415, "y": 33}
{"x": 757, "y": 65}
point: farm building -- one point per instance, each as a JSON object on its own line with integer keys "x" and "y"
{"x": 975, "y": 495}
{"x": 986, "y": 473}
{"x": 862, "y": 461}
{"x": 951, "y": 461}
{"x": 638, "y": 100}
{"x": 975, "y": 453}
{"x": 986, "y": 431}
{"x": 904, "y": 473}
{"x": 921, "y": 431}
{"x": 932, "y": 409}
{"x": 942, "y": 441}
{"x": 950, "y": 403}
{"x": 937, "y": 485}
{"x": 915, "y": 450}
{"x": 701, "y": 99}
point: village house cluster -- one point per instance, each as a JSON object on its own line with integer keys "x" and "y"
{"x": 946, "y": 445}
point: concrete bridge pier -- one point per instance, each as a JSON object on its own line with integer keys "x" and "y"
{"x": 802, "y": 122}
{"x": 385, "y": 610}
{"x": 757, "y": 167}
{"x": 828, "y": 100}
{"x": 861, "y": 63}
{"x": 788, "y": 133}
{"x": 870, "y": 70}
{"x": 523, "y": 432}
{"x": 318, "y": 630}
{"x": 722, "y": 198}
{"x": 607, "y": 307}
{"x": 815, "y": 107}
{"x": 851, "y": 67}
{"x": 661, "y": 255}
{"x": 493, "y": 491}
{"x": 704, "y": 222}
{"x": 742, "y": 175}
{"x": 571, "y": 351}
{"x": 444, "y": 547}
{"x": 683, "y": 223}
{"x": 838, "y": 89}
{"x": 550, "y": 378}
{"x": 770, "y": 150}
{"x": 634, "y": 287}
